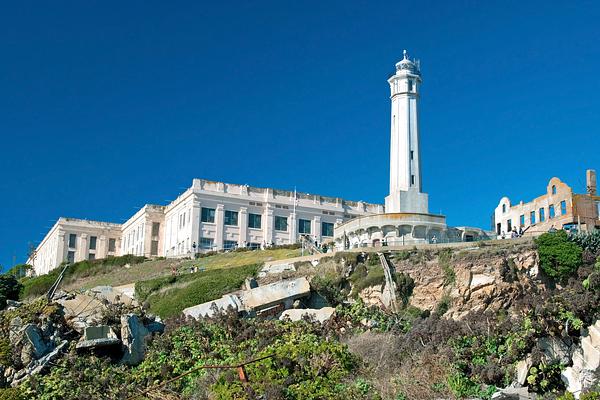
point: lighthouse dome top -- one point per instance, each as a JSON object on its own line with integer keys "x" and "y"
{"x": 408, "y": 65}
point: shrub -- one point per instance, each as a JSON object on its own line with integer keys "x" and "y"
{"x": 589, "y": 241}
{"x": 11, "y": 394}
{"x": 9, "y": 289}
{"x": 330, "y": 287}
{"x": 404, "y": 286}
{"x": 559, "y": 257}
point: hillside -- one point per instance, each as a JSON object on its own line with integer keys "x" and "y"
{"x": 464, "y": 321}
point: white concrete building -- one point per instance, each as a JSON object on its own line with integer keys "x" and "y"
{"x": 75, "y": 240}
{"x": 208, "y": 216}
{"x": 142, "y": 234}
{"x": 216, "y": 215}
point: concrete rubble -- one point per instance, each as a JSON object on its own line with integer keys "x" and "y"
{"x": 101, "y": 320}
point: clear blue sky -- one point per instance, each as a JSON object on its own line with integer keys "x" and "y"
{"x": 106, "y": 106}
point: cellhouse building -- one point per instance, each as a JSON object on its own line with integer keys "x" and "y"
{"x": 212, "y": 215}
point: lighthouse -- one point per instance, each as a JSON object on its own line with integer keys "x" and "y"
{"x": 406, "y": 195}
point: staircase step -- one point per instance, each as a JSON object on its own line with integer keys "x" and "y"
{"x": 571, "y": 379}
{"x": 591, "y": 355}
{"x": 594, "y": 333}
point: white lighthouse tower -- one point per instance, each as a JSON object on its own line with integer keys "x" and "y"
{"x": 406, "y": 194}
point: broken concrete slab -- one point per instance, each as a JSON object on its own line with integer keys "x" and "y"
{"x": 211, "y": 308}
{"x": 34, "y": 337}
{"x": 98, "y": 336}
{"x": 112, "y": 295}
{"x": 276, "y": 269}
{"x": 282, "y": 292}
{"x": 82, "y": 310}
{"x": 133, "y": 336}
{"x": 320, "y": 315}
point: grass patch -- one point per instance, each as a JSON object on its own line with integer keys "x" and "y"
{"x": 195, "y": 288}
{"x": 36, "y": 286}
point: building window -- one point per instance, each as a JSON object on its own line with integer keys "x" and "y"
{"x": 112, "y": 245}
{"x": 551, "y": 211}
{"x": 71, "y": 257}
{"x": 154, "y": 248}
{"x": 553, "y": 189}
{"x": 207, "y": 215}
{"x": 522, "y": 220}
{"x": 281, "y": 224}
{"x": 231, "y": 218}
{"x": 206, "y": 243}
{"x": 155, "y": 228}
{"x": 254, "y": 221}
{"x": 412, "y": 179}
{"x": 503, "y": 208}
{"x": 72, "y": 240}
{"x": 91, "y": 256}
{"x": 229, "y": 244}
{"x": 93, "y": 240}
{"x": 563, "y": 207}
{"x": 254, "y": 246}
{"x": 509, "y": 225}
{"x": 532, "y": 217}
{"x": 412, "y": 155}
{"x": 304, "y": 226}
{"x": 542, "y": 214}
{"x": 410, "y": 85}
{"x": 327, "y": 229}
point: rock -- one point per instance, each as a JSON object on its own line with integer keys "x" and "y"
{"x": 479, "y": 281}
{"x": 521, "y": 369}
{"x": 133, "y": 336}
{"x": 511, "y": 393}
{"x": 111, "y": 295}
{"x": 320, "y": 315}
{"x": 554, "y": 350}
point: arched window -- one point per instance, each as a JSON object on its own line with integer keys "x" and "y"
{"x": 553, "y": 189}
{"x": 503, "y": 208}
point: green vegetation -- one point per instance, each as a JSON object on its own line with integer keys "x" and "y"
{"x": 36, "y": 286}
{"x": 559, "y": 257}
{"x": 168, "y": 296}
{"x": 365, "y": 276}
{"x": 9, "y": 289}
{"x": 304, "y": 365}
{"x": 444, "y": 259}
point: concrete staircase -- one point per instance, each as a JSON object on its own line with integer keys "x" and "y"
{"x": 389, "y": 291}
{"x": 586, "y": 359}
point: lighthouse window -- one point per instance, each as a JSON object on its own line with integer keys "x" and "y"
{"x": 412, "y": 179}
{"x": 410, "y": 85}
{"x": 411, "y": 155}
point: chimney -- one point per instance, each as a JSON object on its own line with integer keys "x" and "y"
{"x": 590, "y": 178}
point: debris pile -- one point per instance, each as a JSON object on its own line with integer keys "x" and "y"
{"x": 100, "y": 320}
